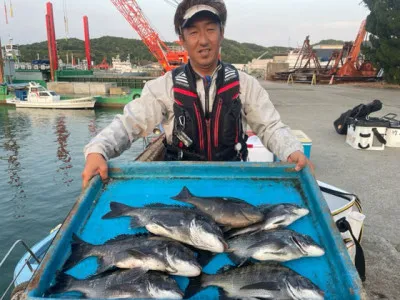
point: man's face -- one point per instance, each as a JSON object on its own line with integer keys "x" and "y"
{"x": 202, "y": 40}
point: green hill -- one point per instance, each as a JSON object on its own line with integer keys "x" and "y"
{"x": 107, "y": 46}
{"x": 330, "y": 42}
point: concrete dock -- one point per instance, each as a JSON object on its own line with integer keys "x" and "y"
{"x": 372, "y": 175}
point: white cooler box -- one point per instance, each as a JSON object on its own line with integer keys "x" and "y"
{"x": 367, "y": 134}
{"x": 393, "y": 133}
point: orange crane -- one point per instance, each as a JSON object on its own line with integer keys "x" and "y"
{"x": 168, "y": 57}
{"x": 103, "y": 65}
{"x": 351, "y": 65}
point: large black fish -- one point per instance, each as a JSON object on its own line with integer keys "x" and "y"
{"x": 129, "y": 251}
{"x": 276, "y": 245}
{"x": 258, "y": 281}
{"x": 178, "y": 223}
{"x": 275, "y": 216}
{"x": 120, "y": 284}
{"x": 226, "y": 211}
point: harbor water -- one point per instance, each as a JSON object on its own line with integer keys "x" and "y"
{"x": 41, "y": 160}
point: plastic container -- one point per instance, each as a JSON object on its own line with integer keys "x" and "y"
{"x": 138, "y": 184}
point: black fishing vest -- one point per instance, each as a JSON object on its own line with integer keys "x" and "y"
{"x": 199, "y": 135}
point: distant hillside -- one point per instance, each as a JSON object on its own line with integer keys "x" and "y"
{"x": 330, "y": 42}
{"x": 107, "y": 46}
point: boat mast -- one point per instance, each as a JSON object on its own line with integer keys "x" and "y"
{"x": 1, "y": 64}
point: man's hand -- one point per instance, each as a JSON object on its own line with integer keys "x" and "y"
{"x": 95, "y": 164}
{"x": 301, "y": 161}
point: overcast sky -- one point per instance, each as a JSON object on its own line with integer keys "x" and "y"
{"x": 264, "y": 22}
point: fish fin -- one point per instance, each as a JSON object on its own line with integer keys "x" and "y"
{"x": 223, "y": 295}
{"x": 241, "y": 231}
{"x": 159, "y": 205}
{"x": 62, "y": 285}
{"x": 194, "y": 286}
{"x": 102, "y": 267}
{"x": 162, "y": 226}
{"x": 122, "y": 237}
{"x": 117, "y": 210}
{"x": 79, "y": 251}
{"x": 135, "y": 222}
{"x": 237, "y": 260}
{"x": 264, "y": 285}
{"x": 136, "y": 253}
{"x": 184, "y": 195}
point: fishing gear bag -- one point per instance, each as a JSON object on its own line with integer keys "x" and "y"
{"x": 360, "y": 111}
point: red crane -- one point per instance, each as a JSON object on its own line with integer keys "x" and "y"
{"x": 352, "y": 66}
{"x": 168, "y": 57}
{"x": 103, "y": 65}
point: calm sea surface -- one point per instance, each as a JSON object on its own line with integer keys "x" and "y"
{"x": 41, "y": 160}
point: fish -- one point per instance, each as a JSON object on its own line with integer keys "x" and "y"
{"x": 133, "y": 283}
{"x": 257, "y": 281}
{"x": 226, "y": 211}
{"x": 277, "y": 245}
{"x": 143, "y": 251}
{"x": 275, "y": 216}
{"x": 182, "y": 224}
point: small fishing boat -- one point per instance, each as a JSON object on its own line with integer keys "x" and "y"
{"x": 39, "y": 97}
{"x": 153, "y": 150}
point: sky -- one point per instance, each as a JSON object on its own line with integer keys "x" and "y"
{"x": 263, "y": 22}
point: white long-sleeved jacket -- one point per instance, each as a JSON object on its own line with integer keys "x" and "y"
{"x": 155, "y": 106}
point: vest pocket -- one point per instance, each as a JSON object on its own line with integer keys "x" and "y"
{"x": 231, "y": 123}
{"x": 184, "y": 123}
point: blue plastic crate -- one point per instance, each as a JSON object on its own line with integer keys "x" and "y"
{"x": 137, "y": 184}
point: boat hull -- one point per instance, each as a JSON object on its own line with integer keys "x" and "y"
{"x": 83, "y": 103}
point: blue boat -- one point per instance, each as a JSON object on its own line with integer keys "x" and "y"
{"x": 142, "y": 183}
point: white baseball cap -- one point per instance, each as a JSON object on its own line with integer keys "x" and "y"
{"x": 194, "y": 10}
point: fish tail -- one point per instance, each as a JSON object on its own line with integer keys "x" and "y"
{"x": 184, "y": 195}
{"x": 117, "y": 210}
{"x": 79, "y": 251}
{"x": 194, "y": 286}
{"x": 63, "y": 284}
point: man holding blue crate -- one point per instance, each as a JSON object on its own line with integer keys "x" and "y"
{"x": 204, "y": 106}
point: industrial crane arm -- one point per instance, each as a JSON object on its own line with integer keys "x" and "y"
{"x": 134, "y": 15}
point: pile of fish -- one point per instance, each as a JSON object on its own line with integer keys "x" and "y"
{"x": 182, "y": 240}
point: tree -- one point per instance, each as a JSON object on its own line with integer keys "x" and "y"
{"x": 384, "y": 25}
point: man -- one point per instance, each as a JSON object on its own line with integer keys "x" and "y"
{"x": 204, "y": 106}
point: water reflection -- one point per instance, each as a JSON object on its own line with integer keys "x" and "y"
{"x": 11, "y": 148}
{"x": 63, "y": 154}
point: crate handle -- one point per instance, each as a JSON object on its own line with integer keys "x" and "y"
{"x": 390, "y": 116}
{"x": 363, "y": 147}
{"x": 379, "y": 136}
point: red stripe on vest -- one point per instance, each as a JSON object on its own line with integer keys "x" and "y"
{"x": 185, "y": 92}
{"x": 178, "y": 102}
{"x": 228, "y": 87}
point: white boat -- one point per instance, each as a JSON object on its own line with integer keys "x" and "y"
{"x": 40, "y": 97}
